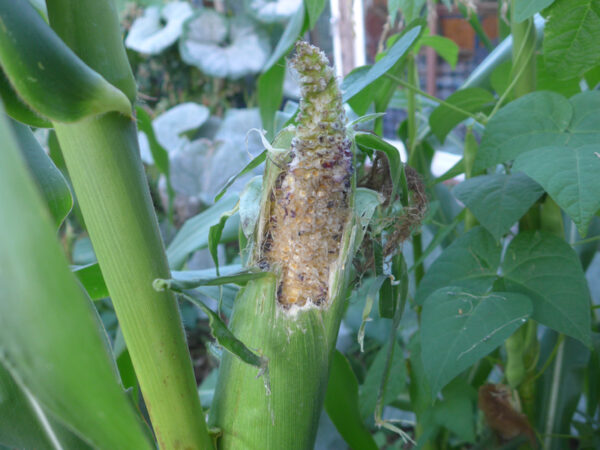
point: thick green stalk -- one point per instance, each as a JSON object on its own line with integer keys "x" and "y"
{"x": 107, "y": 174}
{"x": 102, "y": 157}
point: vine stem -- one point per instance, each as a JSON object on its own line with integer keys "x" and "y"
{"x": 413, "y": 88}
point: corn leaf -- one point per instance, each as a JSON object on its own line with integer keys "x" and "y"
{"x": 47, "y": 74}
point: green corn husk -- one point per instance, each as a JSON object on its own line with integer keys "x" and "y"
{"x": 280, "y": 409}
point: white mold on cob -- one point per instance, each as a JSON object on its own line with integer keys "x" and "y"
{"x": 310, "y": 199}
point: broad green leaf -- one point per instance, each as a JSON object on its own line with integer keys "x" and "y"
{"x": 226, "y": 339}
{"x": 498, "y": 200}
{"x": 456, "y": 410}
{"x": 458, "y": 328}
{"x": 547, "y": 81}
{"x": 52, "y": 341}
{"x": 270, "y": 94}
{"x": 16, "y": 108}
{"x": 90, "y": 276}
{"x": 592, "y": 77}
{"x": 47, "y": 74}
{"x": 572, "y": 37}
{"x": 396, "y": 383}
{"x": 292, "y": 32}
{"x": 193, "y": 235}
{"x": 23, "y": 423}
{"x": 314, "y": 8}
{"x": 443, "y": 46}
{"x": 547, "y": 270}
{"x": 250, "y": 166}
{"x": 341, "y": 404}
{"x": 560, "y": 388}
{"x": 570, "y": 176}
{"x": 555, "y": 142}
{"x": 50, "y": 180}
{"x": 524, "y": 9}
{"x": 224, "y": 47}
{"x": 470, "y": 262}
{"x": 443, "y": 118}
{"x": 158, "y": 28}
{"x": 393, "y": 55}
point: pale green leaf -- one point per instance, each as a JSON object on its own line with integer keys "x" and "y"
{"x": 524, "y": 9}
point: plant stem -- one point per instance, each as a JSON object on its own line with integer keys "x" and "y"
{"x": 103, "y": 160}
{"x": 411, "y": 87}
{"x": 102, "y": 157}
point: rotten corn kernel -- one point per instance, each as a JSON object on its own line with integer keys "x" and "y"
{"x": 310, "y": 201}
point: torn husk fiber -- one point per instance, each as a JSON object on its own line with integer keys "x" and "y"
{"x": 306, "y": 236}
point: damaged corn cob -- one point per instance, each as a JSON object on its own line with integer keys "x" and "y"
{"x": 310, "y": 199}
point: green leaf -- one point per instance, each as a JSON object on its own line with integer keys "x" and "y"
{"x": 50, "y": 180}
{"x": 547, "y": 270}
{"x": 524, "y": 9}
{"x": 372, "y": 291}
{"x": 459, "y": 328}
{"x": 592, "y": 77}
{"x": 23, "y": 423}
{"x": 470, "y": 262}
{"x": 456, "y": 411}
{"x": 46, "y": 73}
{"x": 341, "y": 404}
{"x": 193, "y": 235}
{"x": 393, "y": 55}
{"x": 16, "y": 108}
{"x": 572, "y": 37}
{"x": 270, "y": 94}
{"x": 396, "y": 383}
{"x": 443, "y": 118}
{"x": 227, "y": 340}
{"x": 92, "y": 280}
{"x": 214, "y": 235}
{"x": 443, "y": 46}
{"x": 372, "y": 142}
{"x": 555, "y": 142}
{"x": 159, "y": 154}
{"x": 250, "y": 166}
{"x": 546, "y": 81}
{"x": 250, "y": 205}
{"x": 498, "y": 200}
{"x": 314, "y": 8}
{"x": 52, "y": 340}
{"x": 393, "y": 297}
{"x": 411, "y": 9}
{"x": 292, "y": 32}
{"x": 574, "y": 186}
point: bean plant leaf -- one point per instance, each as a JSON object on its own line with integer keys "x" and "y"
{"x": 547, "y": 270}
{"x": 470, "y": 262}
{"x": 341, "y": 404}
{"x": 393, "y": 55}
{"x": 50, "y": 180}
{"x": 459, "y": 328}
{"x": 443, "y": 46}
{"x": 223, "y": 47}
{"x": 226, "y": 339}
{"x": 555, "y": 142}
{"x": 52, "y": 340}
{"x": 47, "y": 74}
{"x": 170, "y": 127}
{"x": 443, "y": 118}
{"x": 497, "y": 201}
{"x": 16, "y": 108}
{"x": 572, "y": 37}
{"x": 158, "y": 28}
{"x": 193, "y": 235}
{"x": 524, "y": 9}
